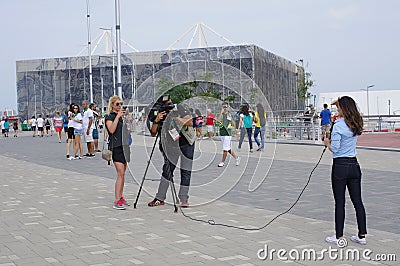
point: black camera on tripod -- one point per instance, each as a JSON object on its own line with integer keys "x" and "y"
{"x": 159, "y": 107}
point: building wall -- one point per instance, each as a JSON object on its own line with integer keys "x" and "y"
{"x": 47, "y": 85}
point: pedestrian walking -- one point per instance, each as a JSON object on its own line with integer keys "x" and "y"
{"x": 246, "y": 121}
{"x": 325, "y": 116}
{"x": 260, "y": 118}
{"x": 58, "y": 125}
{"x": 40, "y": 126}
{"x": 47, "y": 123}
{"x": 33, "y": 125}
{"x": 210, "y": 119}
{"x": 65, "y": 119}
{"x": 15, "y": 128}
{"x": 226, "y": 124}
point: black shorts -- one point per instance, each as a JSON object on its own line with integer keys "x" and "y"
{"x": 47, "y": 127}
{"x": 121, "y": 154}
{"x": 70, "y": 132}
{"x": 40, "y": 129}
{"x": 66, "y": 129}
{"x": 33, "y": 128}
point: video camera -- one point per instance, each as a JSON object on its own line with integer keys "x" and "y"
{"x": 160, "y": 106}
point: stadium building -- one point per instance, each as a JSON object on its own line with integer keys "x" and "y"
{"x": 47, "y": 85}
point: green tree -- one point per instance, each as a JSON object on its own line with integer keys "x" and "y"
{"x": 180, "y": 93}
{"x": 304, "y": 85}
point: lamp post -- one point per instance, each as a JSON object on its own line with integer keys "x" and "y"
{"x": 369, "y": 86}
{"x": 118, "y": 46}
{"x": 89, "y": 51}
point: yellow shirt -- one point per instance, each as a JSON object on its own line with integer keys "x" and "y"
{"x": 258, "y": 118}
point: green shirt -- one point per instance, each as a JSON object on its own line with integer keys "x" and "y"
{"x": 225, "y": 125}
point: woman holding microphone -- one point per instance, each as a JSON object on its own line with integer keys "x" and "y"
{"x": 346, "y": 171}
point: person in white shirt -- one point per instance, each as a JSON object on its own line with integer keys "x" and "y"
{"x": 77, "y": 124}
{"x": 87, "y": 129}
{"x": 40, "y": 124}
{"x": 33, "y": 125}
{"x": 70, "y": 129}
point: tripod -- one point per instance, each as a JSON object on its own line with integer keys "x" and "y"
{"x": 173, "y": 190}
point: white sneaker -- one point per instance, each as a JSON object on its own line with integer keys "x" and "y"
{"x": 237, "y": 161}
{"x": 221, "y": 165}
{"x": 332, "y": 239}
{"x": 361, "y": 241}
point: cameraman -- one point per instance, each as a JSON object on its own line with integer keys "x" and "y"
{"x": 177, "y": 140}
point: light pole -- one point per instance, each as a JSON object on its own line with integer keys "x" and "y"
{"x": 118, "y": 46}
{"x": 89, "y": 51}
{"x": 369, "y": 86}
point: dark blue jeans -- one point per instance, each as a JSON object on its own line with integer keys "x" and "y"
{"x": 346, "y": 172}
{"x": 249, "y": 132}
{"x": 170, "y": 160}
{"x": 259, "y": 131}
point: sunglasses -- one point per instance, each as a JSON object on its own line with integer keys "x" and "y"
{"x": 119, "y": 103}
{"x": 76, "y": 108}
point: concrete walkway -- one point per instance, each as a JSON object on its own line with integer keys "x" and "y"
{"x": 58, "y": 212}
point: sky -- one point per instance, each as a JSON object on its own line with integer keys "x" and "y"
{"x": 345, "y": 44}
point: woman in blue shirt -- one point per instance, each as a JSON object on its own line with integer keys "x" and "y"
{"x": 346, "y": 171}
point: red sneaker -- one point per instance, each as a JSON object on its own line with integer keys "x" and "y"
{"x": 156, "y": 202}
{"x": 123, "y": 201}
{"x": 118, "y": 205}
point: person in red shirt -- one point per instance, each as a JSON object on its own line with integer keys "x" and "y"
{"x": 210, "y": 123}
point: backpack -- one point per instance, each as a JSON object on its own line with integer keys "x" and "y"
{"x": 248, "y": 121}
{"x": 47, "y": 122}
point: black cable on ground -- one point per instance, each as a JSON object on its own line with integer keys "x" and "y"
{"x": 212, "y": 222}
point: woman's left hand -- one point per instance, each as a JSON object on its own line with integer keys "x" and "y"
{"x": 327, "y": 142}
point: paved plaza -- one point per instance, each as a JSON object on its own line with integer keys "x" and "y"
{"x": 59, "y": 212}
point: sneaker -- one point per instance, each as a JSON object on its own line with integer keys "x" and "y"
{"x": 251, "y": 150}
{"x": 156, "y": 202}
{"x": 79, "y": 157}
{"x": 123, "y": 200}
{"x": 361, "y": 241}
{"x": 67, "y": 156}
{"x": 332, "y": 239}
{"x": 185, "y": 204}
{"x": 86, "y": 155}
{"x": 237, "y": 161}
{"x": 118, "y": 205}
{"x": 221, "y": 164}
{"x": 259, "y": 149}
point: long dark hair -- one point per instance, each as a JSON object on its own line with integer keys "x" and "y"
{"x": 261, "y": 114}
{"x": 79, "y": 110}
{"x": 351, "y": 115}
{"x": 71, "y": 107}
{"x": 245, "y": 110}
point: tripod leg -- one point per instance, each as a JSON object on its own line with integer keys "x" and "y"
{"x": 174, "y": 196}
{"x": 145, "y": 172}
